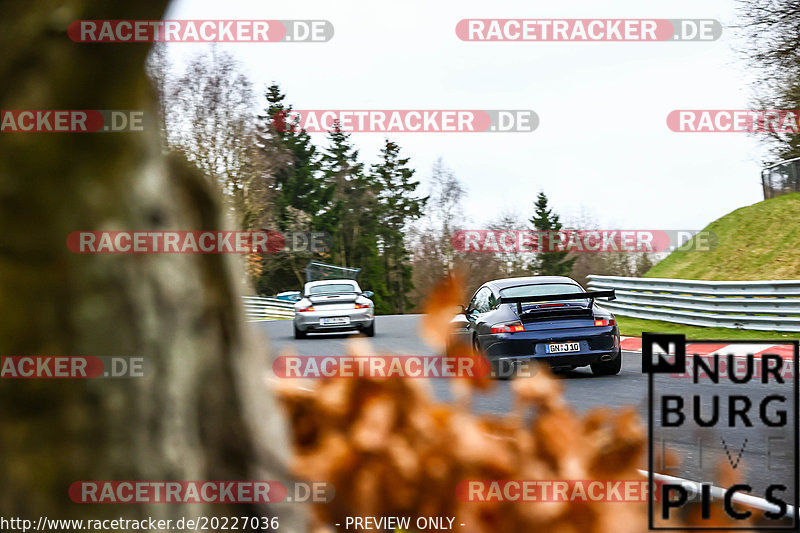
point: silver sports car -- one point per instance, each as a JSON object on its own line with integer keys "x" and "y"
{"x": 334, "y": 305}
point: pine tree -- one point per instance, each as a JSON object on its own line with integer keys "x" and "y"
{"x": 397, "y": 207}
{"x": 351, "y": 215}
{"x": 296, "y": 183}
{"x": 296, "y": 193}
{"x": 346, "y": 193}
{"x": 549, "y": 263}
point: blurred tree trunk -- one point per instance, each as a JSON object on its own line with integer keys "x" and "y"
{"x": 205, "y": 411}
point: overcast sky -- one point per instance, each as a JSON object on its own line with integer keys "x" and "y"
{"x": 602, "y": 144}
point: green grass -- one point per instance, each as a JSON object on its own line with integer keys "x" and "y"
{"x": 757, "y": 242}
{"x": 633, "y": 327}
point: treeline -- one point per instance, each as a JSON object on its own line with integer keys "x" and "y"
{"x": 277, "y": 178}
{"x": 377, "y": 216}
{"x": 434, "y": 256}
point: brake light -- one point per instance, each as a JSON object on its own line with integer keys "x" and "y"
{"x": 362, "y": 306}
{"x": 306, "y": 309}
{"x": 604, "y": 322}
{"x": 508, "y": 327}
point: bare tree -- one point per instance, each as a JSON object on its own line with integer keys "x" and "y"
{"x": 601, "y": 262}
{"x": 430, "y": 238}
{"x": 212, "y": 122}
{"x": 159, "y": 71}
{"x": 516, "y": 262}
{"x": 209, "y": 118}
{"x": 447, "y": 197}
{"x": 771, "y": 29}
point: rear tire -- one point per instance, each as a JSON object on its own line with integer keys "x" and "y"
{"x": 370, "y": 331}
{"x": 299, "y": 334}
{"x": 608, "y": 368}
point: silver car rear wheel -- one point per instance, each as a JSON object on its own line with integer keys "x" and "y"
{"x": 370, "y": 331}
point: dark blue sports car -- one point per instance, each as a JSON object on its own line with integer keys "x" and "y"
{"x": 547, "y": 318}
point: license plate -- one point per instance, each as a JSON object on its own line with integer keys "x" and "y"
{"x": 334, "y": 320}
{"x": 562, "y": 347}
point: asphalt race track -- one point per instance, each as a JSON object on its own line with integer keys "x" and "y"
{"x": 583, "y": 391}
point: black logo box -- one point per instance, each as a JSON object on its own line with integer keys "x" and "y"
{"x": 649, "y": 340}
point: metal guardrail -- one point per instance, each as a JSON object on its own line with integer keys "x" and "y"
{"x": 757, "y": 305}
{"x": 257, "y": 308}
{"x": 781, "y": 178}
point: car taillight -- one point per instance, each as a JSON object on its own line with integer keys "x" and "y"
{"x": 604, "y": 321}
{"x": 362, "y": 306}
{"x": 306, "y": 309}
{"x": 508, "y": 327}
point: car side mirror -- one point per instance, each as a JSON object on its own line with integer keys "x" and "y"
{"x": 367, "y": 294}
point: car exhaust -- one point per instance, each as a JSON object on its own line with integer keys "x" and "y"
{"x": 605, "y": 357}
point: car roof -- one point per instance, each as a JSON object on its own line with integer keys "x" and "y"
{"x": 500, "y": 284}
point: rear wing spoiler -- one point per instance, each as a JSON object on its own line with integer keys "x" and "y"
{"x": 591, "y": 295}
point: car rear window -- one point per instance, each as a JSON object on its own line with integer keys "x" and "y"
{"x": 540, "y": 290}
{"x": 332, "y": 288}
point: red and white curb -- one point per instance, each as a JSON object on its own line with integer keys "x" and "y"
{"x": 634, "y": 344}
